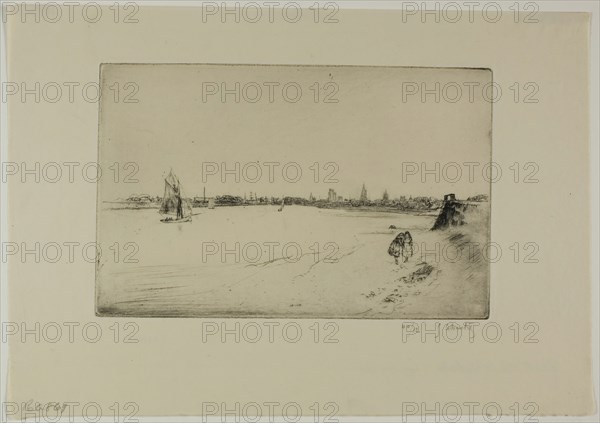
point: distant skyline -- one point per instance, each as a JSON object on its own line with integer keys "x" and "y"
{"x": 316, "y": 195}
{"x": 371, "y": 135}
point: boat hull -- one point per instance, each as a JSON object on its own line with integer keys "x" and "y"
{"x": 185, "y": 219}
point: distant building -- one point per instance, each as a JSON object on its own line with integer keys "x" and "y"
{"x": 332, "y": 196}
{"x": 143, "y": 198}
{"x": 363, "y": 194}
{"x": 386, "y": 197}
{"x": 340, "y": 199}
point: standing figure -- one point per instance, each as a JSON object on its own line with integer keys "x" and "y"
{"x": 408, "y": 250}
{"x": 402, "y": 245}
{"x": 396, "y": 248}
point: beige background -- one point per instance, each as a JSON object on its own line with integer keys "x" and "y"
{"x": 370, "y": 371}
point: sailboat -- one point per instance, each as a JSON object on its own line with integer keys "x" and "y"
{"x": 282, "y": 204}
{"x": 211, "y": 203}
{"x": 173, "y": 204}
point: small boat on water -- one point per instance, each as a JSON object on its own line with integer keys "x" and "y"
{"x": 282, "y": 204}
{"x": 176, "y": 208}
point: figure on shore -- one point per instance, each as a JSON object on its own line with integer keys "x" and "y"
{"x": 401, "y": 246}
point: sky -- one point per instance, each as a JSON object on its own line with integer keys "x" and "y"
{"x": 295, "y": 130}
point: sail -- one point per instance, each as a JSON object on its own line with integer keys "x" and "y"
{"x": 211, "y": 203}
{"x": 172, "y": 198}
